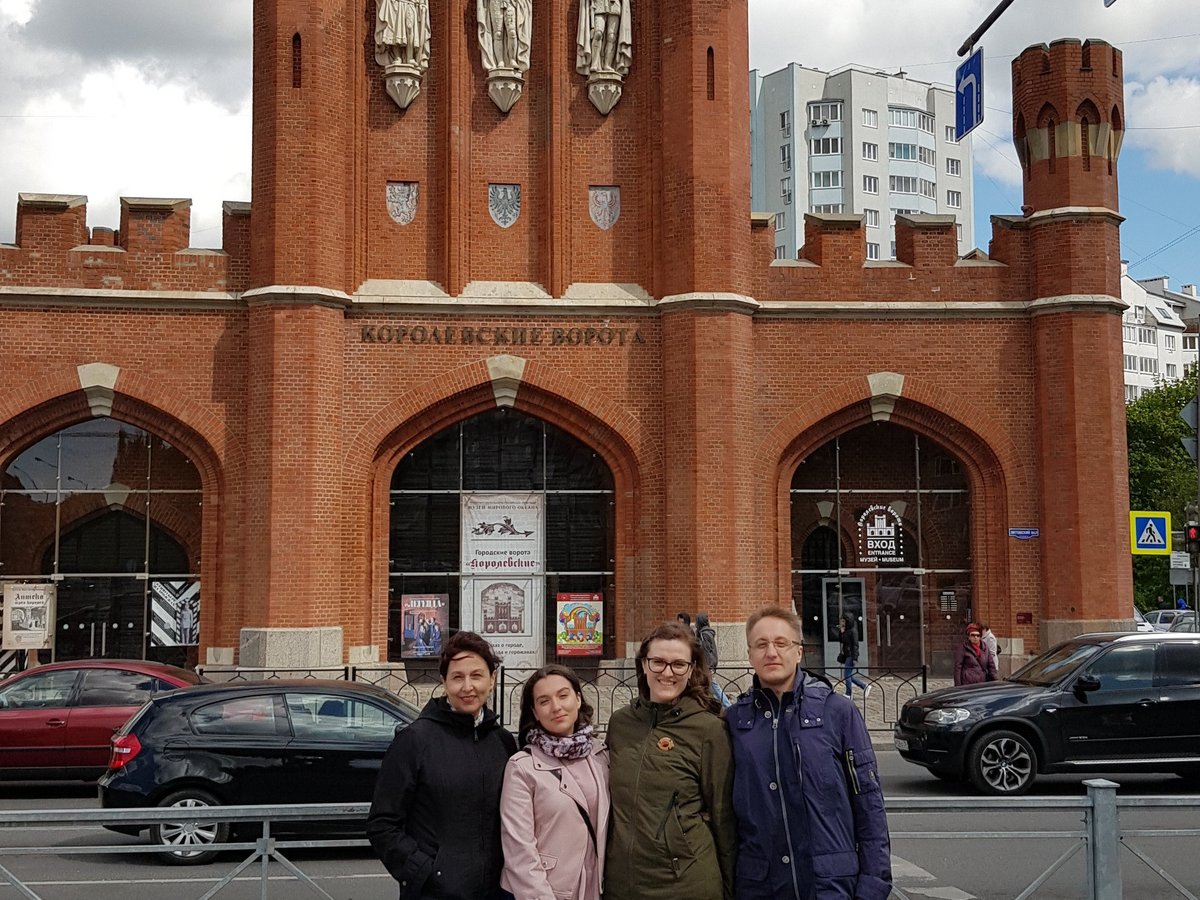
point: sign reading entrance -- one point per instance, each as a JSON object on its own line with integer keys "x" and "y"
{"x": 880, "y": 536}
{"x": 1150, "y": 533}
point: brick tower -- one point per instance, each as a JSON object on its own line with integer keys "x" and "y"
{"x": 1067, "y": 126}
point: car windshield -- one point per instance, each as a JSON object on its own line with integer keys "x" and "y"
{"x": 1054, "y": 665}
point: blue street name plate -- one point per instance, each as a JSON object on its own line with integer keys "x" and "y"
{"x": 1024, "y": 534}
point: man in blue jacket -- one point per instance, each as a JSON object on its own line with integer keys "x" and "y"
{"x": 811, "y": 824}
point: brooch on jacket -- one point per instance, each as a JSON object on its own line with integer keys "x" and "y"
{"x": 665, "y": 744}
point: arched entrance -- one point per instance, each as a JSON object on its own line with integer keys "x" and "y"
{"x": 502, "y": 523}
{"x": 881, "y": 532}
{"x": 108, "y": 514}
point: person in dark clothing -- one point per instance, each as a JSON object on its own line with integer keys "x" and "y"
{"x": 973, "y": 662}
{"x": 848, "y": 657}
{"x": 707, "y": 636}
{"x": 435, "y": 819}
{"x": 810, "y": 814}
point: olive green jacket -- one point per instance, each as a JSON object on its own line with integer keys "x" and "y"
{"x": 672, "y": 824}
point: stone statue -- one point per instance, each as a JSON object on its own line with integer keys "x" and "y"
{"x": 505, "y": 37}
{"x": 402, "y": 46}
{"x": 604, "y": 49}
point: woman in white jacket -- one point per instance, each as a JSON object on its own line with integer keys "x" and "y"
{"x": 554, "y": 806}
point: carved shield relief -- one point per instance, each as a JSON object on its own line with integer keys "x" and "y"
{"x": 504, "y": 203}
{"x": 604, "y": 204}
{"x": 402, "y": 201}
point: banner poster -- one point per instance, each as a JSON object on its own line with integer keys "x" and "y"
{"x": 174, "y": 613}
{"x": 29, "y": 616}
{"x": 425, "y": 621}
{"x": 503, "y": 534}
{"x": 510, "y": 613}
{"x": 580, "y": 623}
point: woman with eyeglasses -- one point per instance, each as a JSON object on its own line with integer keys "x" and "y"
{"x": 973, "y": 661}
{"x": 671, "y": 780}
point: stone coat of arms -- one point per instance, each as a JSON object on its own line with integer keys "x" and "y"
{"x": 504, "y": 203}
{"x": 604, "y": 204}
{"x": 402, "y": 201}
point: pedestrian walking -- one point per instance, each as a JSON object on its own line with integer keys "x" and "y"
{"x": 848, "y": 657}
{"x": 973, "y": 662}
{"x": 707, "y": 636}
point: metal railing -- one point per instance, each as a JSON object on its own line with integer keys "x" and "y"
{"x": 1100, "y": 837}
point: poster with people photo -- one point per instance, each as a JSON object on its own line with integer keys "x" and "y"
{"x": 425, "y": 621}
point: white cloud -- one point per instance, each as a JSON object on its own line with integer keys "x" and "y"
{"x": 1159, "y": 116}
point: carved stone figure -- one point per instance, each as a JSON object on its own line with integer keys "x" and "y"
{"x": 604, "y": 49}
{"x": 402, "y": 46}
{"x": 402, "y": 201}
{"x": 604, "y": 205}
{"x": 505, "y": 36}
{"x": 504, "y": 203}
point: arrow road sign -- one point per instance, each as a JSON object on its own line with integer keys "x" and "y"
{"x": 968, "y": 90}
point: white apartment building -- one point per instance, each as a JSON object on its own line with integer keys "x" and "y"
{"x": 1157, "y": 344}
{"x": 856, "y": 141}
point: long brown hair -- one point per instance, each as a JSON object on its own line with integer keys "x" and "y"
{"x": 529, "y": 720}
{"x": 699, "y": 683}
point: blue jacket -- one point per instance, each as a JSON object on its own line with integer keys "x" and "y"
{"x": 806, "y": 793}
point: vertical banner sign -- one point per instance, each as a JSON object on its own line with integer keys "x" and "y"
{"x": 174, "y": 613}
{"x": 425, "y": 619}
{"x": 580, "y": 623}
{"x": 503, "y": 569}
{"x": 29, "y": 616}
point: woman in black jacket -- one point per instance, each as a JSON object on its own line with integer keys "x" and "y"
{"x": 435, "y": 820}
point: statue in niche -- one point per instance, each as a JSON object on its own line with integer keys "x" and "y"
{"x": 604, "y": 49}
{"x": 402, "y": 46}
{"x": 505, "y": 38}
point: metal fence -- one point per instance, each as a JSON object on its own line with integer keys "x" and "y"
{"x": 1100, "y": 838}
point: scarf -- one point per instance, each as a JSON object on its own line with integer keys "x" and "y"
{"x": 573, "y": 746}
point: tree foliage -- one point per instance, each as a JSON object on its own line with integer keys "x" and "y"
{"x": 1162, "y": 475}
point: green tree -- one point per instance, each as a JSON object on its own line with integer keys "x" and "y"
{"x": 1161, "y": 473}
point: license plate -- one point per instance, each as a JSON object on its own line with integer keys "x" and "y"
{"x": 901, "y": 743}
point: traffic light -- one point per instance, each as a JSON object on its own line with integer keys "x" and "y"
{"x": 1191, "y": 537}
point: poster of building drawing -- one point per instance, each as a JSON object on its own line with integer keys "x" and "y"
{"x": 510, "y": 613}
{"x": 29, "y": 616}
{"x": 503, "y": 533}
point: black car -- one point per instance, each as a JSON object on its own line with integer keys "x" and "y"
{"x": 1099, "y": 702}
{"x": 263, "y": 742}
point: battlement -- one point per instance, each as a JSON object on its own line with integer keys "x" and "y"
{"x": 149, "y": 251}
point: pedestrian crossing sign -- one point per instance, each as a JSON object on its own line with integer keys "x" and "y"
{"x": 1150, "y": 533}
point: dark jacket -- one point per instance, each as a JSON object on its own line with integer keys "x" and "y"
{"x": 707, "y": 636}
{"x": 972, "y": 669}
{"x": 849, "y": 639}
{"x": 435, "y": 820}
{"x": 672, "y": 831}
{"x": 811, "y": 823}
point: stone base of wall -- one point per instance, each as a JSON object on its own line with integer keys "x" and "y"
{"x": 290, "y": 647}
{"x": 1055, "y": 631}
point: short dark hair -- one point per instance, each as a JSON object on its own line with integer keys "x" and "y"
{"x": 683, "y": 617}
{"x": 529, "y": 720}
{"x": 699, "y": 683}
{"x": 466, "y": 642}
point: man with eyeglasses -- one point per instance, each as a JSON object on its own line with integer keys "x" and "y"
{"x": 811, "y": 823}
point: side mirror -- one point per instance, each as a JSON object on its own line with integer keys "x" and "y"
{"x": 1087, "y": 683}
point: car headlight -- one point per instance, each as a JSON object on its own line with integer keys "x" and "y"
{"x": 950, "y": 716}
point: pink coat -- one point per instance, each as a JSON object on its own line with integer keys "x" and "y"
{"x": 548, "y": 852}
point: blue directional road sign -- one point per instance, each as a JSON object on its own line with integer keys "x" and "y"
{"x": 968, "y": 90}
{"x": 1150, "y": 532}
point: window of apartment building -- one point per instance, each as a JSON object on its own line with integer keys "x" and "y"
{"x": 826, "y": 146}
{"x": 825, "y": 112}
{"x": 828, "y": 208}
{"x": 927, "y": 156}
{"x": 1146, "y": 336}
{"x": 785, "y": 157}
{"x": 954, "y": 199}
{"x": 870, "y": 184}
{"x": 1189, "y": 342}
{"x": 925, "y": 122}
{"x": 905, "y": 118}
{"x": 928, "y": 189}
{"x": 1130, "y": 363}
{"x": 1172, "y": 370}
{"x": 1130, "y": 393}
{"x": 953, "y": 166}
{"x": 958, "y": 232}
{"x": 1148, "y": 365}
{"x": 1129, "y": 333}
{"x": 872, "y": 250}
{"x": 780, "y": 251}
{"x": 870, "y": 118}
{"x": 893, "y": 250}
{"x": 897, "y": 211}
{"x": 780, "y": 220}
{"x": 785, "y": 122}
{"x": 950, "y": 135}
{"x": 1168, "y": 342}
{"x": 870, "y": 151}
{"x": 902, "y": 151}
{"x": 902, "y": 184}
{"x": 825, "y": 179}
{"x": 872, "y": 218}
{"x": 785, "y": 189}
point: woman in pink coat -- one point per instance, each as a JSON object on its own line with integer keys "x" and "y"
{"x": 554, "y": 806}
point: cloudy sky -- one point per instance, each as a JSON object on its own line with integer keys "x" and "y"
{"x": 152, "y": 98}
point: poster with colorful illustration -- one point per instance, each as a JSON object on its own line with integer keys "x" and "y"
{"x": 29, "y": 616}
{"x": 510, "y": 613}
{"x": 580, "y": 624}
{"x": 424, "y": 624}
{"x": 502, "y": 534}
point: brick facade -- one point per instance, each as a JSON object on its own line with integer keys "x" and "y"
{"x": 297, "y": 364}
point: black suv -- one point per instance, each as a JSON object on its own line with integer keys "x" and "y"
{"x": 1099, "y": 702}
{"x": 263, "y": 742}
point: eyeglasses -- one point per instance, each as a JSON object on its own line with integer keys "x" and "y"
{"x": 973, "y": 634}
{"x": 658, "y": 665}
{"x": 781, "y": 645}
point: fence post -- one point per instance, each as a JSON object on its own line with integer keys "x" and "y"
{"x": 1103, "y": 840}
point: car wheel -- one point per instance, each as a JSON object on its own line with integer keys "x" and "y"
{"x": 189, "y": 838}
{"x": 1002, "y": 763}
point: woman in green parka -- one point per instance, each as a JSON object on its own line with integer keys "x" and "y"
{"x": 671, "y": 780}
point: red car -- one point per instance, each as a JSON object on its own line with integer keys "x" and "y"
{"x": 56, "y": 721}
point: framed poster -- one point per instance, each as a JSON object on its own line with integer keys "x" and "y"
{"x": 580, "y": 624}
{"x": 503, "y": 534}
{"x": 174, "y": 613}
{"x": 510, "y": 613}
{"x": 425, "y": 621}
{"x": 29, "y": 616}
